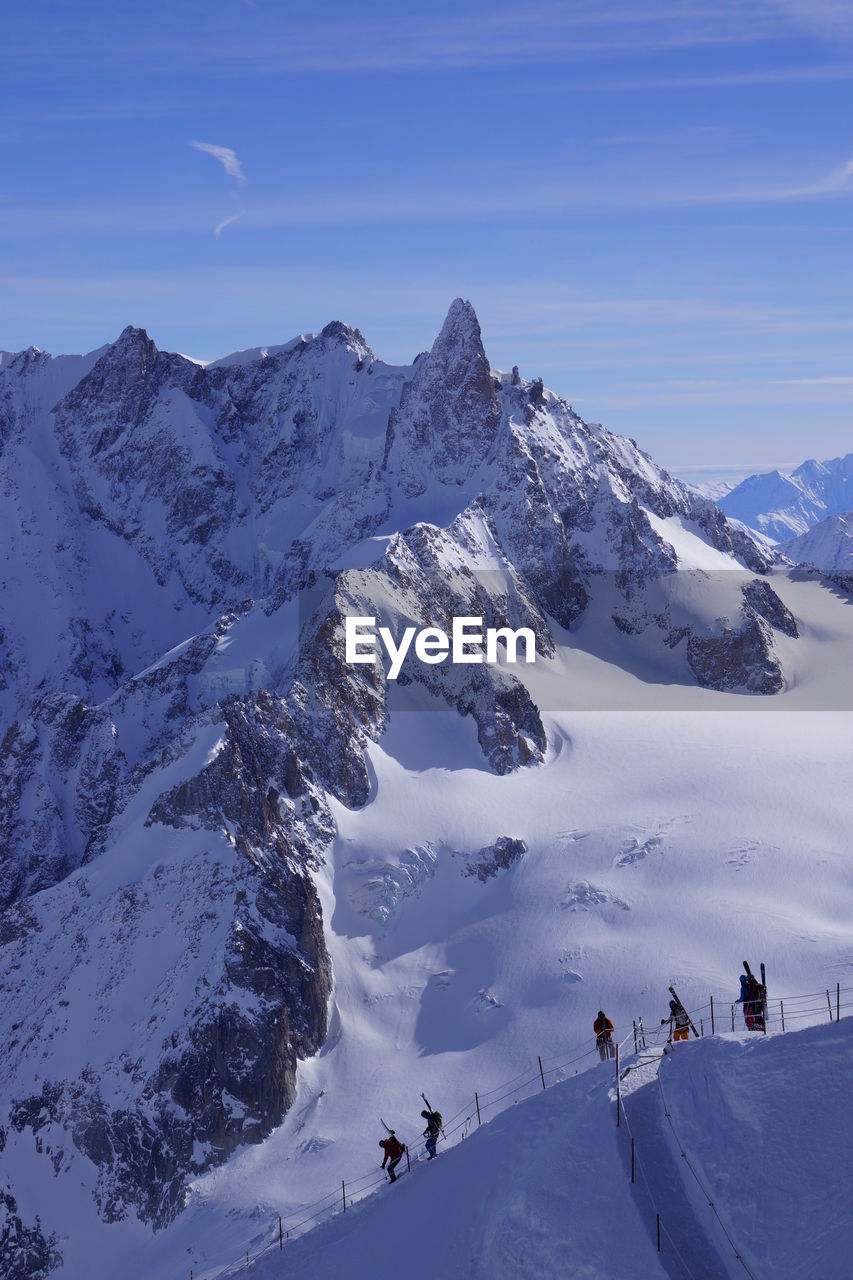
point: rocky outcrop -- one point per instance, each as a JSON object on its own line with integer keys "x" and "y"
{"x": 739, "y": 658}
{"x": 762, "y": 600}
{"x": 494, "y": 858}
{"x": 25, "y": 1252}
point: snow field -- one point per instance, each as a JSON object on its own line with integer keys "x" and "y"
{"x": 637, "y": 875}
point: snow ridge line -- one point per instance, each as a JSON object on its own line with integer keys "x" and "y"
{"x": 363, "y": 1186}
{"x": 738, "y": 1255}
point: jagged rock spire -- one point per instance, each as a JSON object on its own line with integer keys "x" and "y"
{"x": 449, "y": 412}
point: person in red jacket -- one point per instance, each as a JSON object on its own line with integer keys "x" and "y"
{"x": 394, "y": 1151}
{"x": 603, "y": 1029}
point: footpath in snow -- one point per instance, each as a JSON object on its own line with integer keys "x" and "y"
{"x": 539, "y": 1191}
{"x": 544, "y": 1191}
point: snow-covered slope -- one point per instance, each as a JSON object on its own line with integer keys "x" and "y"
{"x": 828, "y": 545}
{"x": 249, "y": 894}
{"x": 783, "y": 506}
{"x": 539, "y": 1192}
{"x": 544, "y": 1190}
{"x": 765, "y": 1123}
{"x": 713, "y": 489}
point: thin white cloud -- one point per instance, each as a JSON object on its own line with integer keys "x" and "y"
{"x": 616, "y": 191}
{"x": 841, "y": 380}
{"x": 226, "y": 222}
{"x": 768, "y": 76}
{"x": 227, "y": 157}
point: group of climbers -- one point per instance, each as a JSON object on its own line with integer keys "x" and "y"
{"x": 753, "y": 998}
{"x": 679, "y": 1028}
{"x": 395, "y": 1150}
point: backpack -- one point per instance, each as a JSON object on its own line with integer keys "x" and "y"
{"x": 436, "y": 1120}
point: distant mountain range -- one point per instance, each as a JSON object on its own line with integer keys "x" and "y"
{"x": 783, "y": 506}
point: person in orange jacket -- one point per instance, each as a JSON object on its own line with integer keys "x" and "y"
{"x": 603, "y": 1029}
{"x": 394, "y": 1151}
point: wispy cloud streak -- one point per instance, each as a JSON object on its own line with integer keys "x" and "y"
{"x": 226, "y": 222}
{"x": 227, "y": 157}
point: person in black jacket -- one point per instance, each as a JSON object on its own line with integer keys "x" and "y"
{"x": 431, "y": 1132}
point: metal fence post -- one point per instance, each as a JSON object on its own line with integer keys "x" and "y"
{"x": 541, "y": 1072}
{"x": 657, "y": 1215}
{"x": 782, "y": 1011}
{"x": 838, "y": 1002}
{"x": 618, "y": 1092}
{"x": 713, "y": 1028}
{"x": 477, "y": 1101}
{"x": 280, "y": 1236}
{"x": 344, "y": 1194}
{"x": 829, "y": 1004}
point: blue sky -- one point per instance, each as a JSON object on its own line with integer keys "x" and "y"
{"x": 649, "y": 204}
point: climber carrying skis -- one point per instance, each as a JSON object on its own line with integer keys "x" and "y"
{"x": 679, "y": 1021}
{"x": 603, "y": 1029}
{"x": 433, "y": 1128}
{"x": 394, "y": 1152}
{"x": 753, "y": 996}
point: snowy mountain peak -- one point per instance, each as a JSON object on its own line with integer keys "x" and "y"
{"x": 446, "y": 424}
{"x": 133, "y": 342}
{"x": 462, "y": 319}
{"x": 781, "y": 505}
{"x": 459, "y": 349}
{"x": 827, "y": 545}
{"x": 337, "y": 331}
{"x": 18, "y": 360}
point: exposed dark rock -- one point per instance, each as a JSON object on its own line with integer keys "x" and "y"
{"x": 494, "y": 858}
{"x": 740, "y": 658}
{"x": 25, "y": 1252}
{"x": 763, "y": 600}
